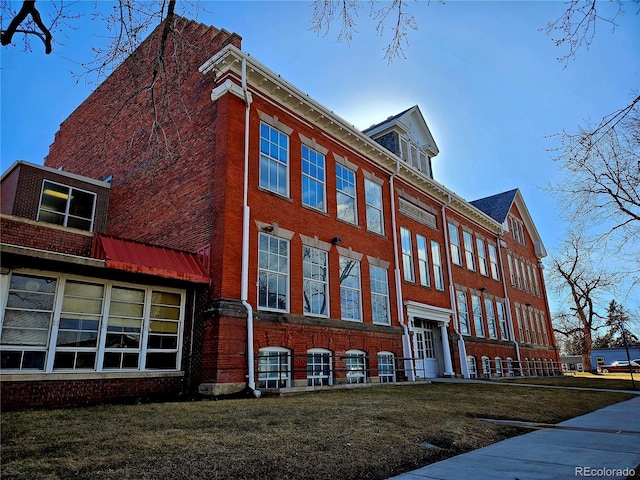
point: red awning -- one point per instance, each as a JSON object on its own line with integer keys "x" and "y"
{"x": 149, "y": 259}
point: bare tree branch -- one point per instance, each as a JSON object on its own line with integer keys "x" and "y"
{"x": 28, "y": 9}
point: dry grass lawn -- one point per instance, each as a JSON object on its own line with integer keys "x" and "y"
{"x": 610, "y": 381}
{"x": 354, "y": 434}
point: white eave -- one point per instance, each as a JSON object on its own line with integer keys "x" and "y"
{"x": 261, "y": 78}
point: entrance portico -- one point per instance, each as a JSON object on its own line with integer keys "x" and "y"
{"x": 430, "y": 339}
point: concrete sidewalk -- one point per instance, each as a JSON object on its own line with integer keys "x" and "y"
{"x": 601, "y": 444}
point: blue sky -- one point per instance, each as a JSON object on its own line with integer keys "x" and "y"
{"x": 485, "y": 75}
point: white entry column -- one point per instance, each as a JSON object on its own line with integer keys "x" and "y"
{"x": 446, "y": 352}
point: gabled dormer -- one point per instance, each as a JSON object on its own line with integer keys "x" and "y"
{"x": 408, "y": 136}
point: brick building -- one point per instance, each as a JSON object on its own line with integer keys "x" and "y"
{"x": 310, "y": 253}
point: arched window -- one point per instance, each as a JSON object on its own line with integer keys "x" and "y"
{"x": 486, "y": 367}
{"x": 319, "y": 370}
{"x": 274, "y": 367}
{"x": 471, "y": 366}
{"x": 355, "y": 365}
{"x": 510, "y": 371}
{"x": 386, "y": 367}
{"x": 499, "y": 367}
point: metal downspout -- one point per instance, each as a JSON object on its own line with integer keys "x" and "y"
{"x": 245, "y": 238}
{"x": 406, "y": 340}
{"x": 462, "y": 349}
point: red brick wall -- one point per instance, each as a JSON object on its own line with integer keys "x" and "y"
{"x": 70, "y": 393}
{"x": 160, "y": 195}
{"x": 45, "y": 237}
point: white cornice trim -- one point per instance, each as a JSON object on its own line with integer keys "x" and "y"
{"x": 228, "y": 61}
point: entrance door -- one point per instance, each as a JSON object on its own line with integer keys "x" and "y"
{"x": 426, "y": 360}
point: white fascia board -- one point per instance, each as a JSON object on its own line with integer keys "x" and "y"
{"x": 57, "y": 171}
{"x": 259, "y": 76}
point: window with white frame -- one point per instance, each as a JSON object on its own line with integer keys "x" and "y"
{"x": 525, "y": 285}
{"x": 454, "y": 243}
{"x": 493, "y": 262}
{"x": 407, "y": 255}
{"x": 535, "y": 279}
{"x": 65, "y": 323}
{"x": 313, "y": 179}
{"x": 527, "y": 327}
{"x": 355, "y": 365}
{"x": 469, "y": 255}
{"x": 534, "y": 336}
{"x": 483, "y": 266}
{"x": 273, "y": 273}
{"x": 547, "y": 341}
{"x": 519, "y": 320}
{"x": 373, "y": 201}
{"x": 491, "y": 318}
{"x": 530, "y": 273}
{"x": 502, "y": 321}
{"x": 350, "y": 292}
{"x": 319, "y": 367}
{"x": 486, "y": 367}
{"x": 499, "y": 370}
{"x": 274, "y": 367}
{"x": 423, "y": 260}
{"x": 478, "y": 321}
{"x": 66, "y": 206}
{"x": 346, "y": 194}
{"x": 436, "y": 258}
{"x": 472, "y": 367}
{"x": 315, "y": 283}
{"x": 274, "y": 160}
{"x": 511, "y": 271}
{"x": 379, "y": 295}
{"x": 463, "y": 312}
{"x": 386, "y": 367}
{"x": 510, "y": 371}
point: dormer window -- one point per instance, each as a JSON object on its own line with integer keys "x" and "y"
{"x": 413, "y": 155}
{"x": 66, "y": 206}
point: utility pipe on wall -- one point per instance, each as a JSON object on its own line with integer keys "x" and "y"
{"x": 244, "y": 285}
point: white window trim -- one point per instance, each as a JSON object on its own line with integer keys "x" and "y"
{"x": 50, "y": 348}
{"x": 274, "y": 234}
{"x": 322, "y": 351}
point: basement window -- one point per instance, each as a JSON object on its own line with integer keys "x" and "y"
{"x": 66, "y": 206}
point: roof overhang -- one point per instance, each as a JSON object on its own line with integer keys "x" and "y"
{"x": 228, "y": 64}
{"x": 148, "y": 259}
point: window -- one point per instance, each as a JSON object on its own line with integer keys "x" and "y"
{"x": 599, "y": 361}
{"x": 483, "y": 266}
{"x": 486, "y": 367}
{"x": 535, "y": 279}
{"x": 544, "y": 329}
{"x": 519, "y": 320}
{"x": 97, "y": 325}
{"x": 386, "y": 367}
{"x": 315, "y": 289}
{"x": 423, "y": 260}
{"x": 27, "y": 322}
{"x": 273, "y": 272}
{"x": 525, "y": 285}
{"x": 438, "y": 277}
{"x": 471, "y": 366}
{"x": 407, "y": 255}
{"x": 510, "y": 371}
{"x": 379, "y": 295}
{"x": 313, "y": 179}
{"x": 511, "y": 274}
{"x": 80, "y": 319}
{"x": 525, "y": 320}
{"x": 346, "y": 194}
{"x": 373, "y": 200}
{"x": 491, "y": 318}
{"x": 478, "y": 321}
{"x": 454, "y": 243}
{"x": 463, "y": 312}
{"x": 469, "y": 255}
{"x": 493, "y": 262}
{"x": 355, "y": 367}
{"x": 350, "y": 289}
{"x": 502, "y": 321}
{"x": 534, "y": 336}
{"x": 274, "y": 369}
{"x": 67, "y": 206}
{"x": 530, "y": 273}
{"x": 319, "y": 367}
{"x": 274, "y": 160}
{"x": 499, "y": 371}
